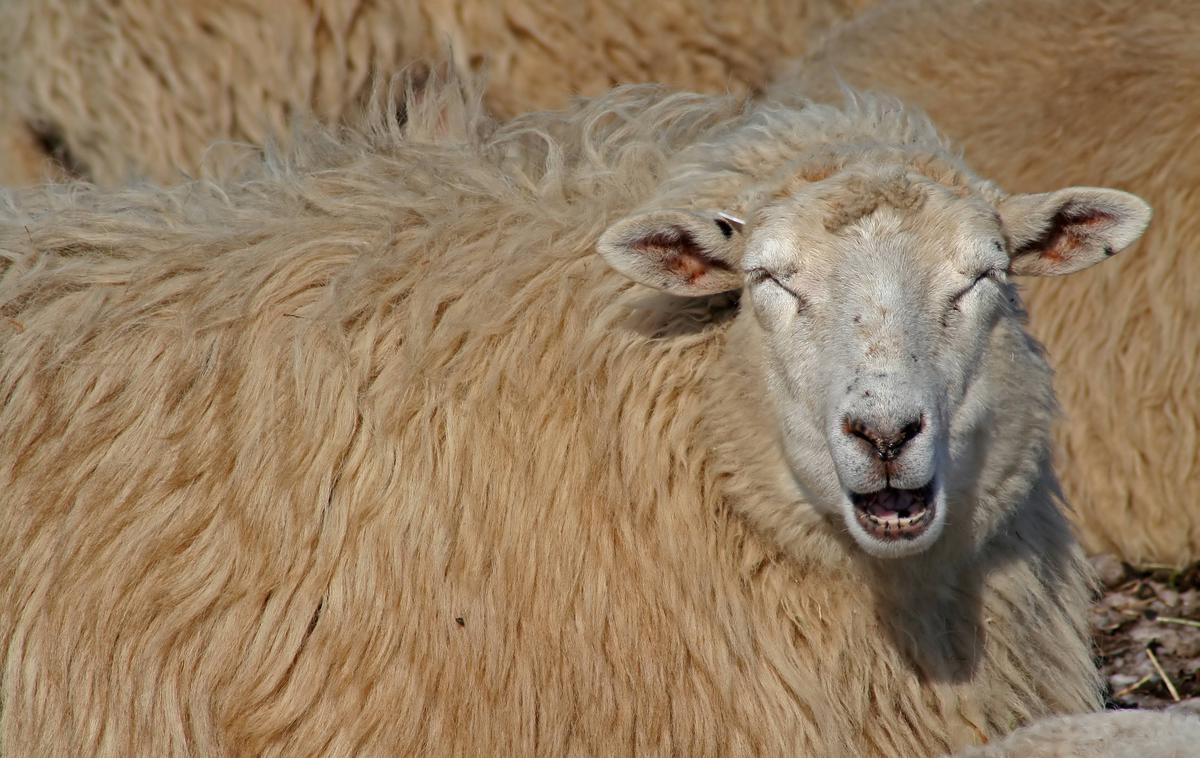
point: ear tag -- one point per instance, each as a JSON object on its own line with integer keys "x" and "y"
{"x": 732, "y": 219}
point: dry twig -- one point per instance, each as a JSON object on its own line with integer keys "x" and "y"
{"x": 1126, "y": 690}
{"x": 1163, "y": 675}
{"x": 1175, "y": 620}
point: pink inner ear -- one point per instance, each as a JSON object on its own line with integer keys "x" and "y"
{"x": 1066, "y": 234}
{"x": 680, "y": 254}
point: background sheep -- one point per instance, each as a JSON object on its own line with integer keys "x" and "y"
{"x": 1042, "y": 93}
{"x": 155, "y": 84}
{"x": 143, "y": 87}
{"x": 1123, "y": 734}
{"x": 367, "y": 450}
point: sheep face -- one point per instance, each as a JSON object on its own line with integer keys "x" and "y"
{"x": 881, "y": 307}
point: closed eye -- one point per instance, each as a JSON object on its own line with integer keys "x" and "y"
{"x": 760, "y": 275}
{"x": 993, "y": 274}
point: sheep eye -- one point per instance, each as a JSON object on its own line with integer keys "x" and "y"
{"x": 994, "y": 274}
{"x": 761, "y": 275}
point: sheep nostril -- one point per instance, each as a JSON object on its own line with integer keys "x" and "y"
{"x": 887, "y": 441}
{"x": 910, "y": 430}
{"x": 853, "y": 427}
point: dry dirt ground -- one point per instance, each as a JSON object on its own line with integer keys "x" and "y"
{"x": 1147, "y": 631}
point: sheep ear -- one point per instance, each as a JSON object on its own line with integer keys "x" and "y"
{"x": 681, "y": 252}
{"x": 1055, "y": 233}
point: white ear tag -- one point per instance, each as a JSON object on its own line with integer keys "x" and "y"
{"x": 732, "y": 219}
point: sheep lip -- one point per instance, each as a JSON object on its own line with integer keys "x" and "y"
{"x": 891, "y": 514}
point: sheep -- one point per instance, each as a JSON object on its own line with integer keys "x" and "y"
{"x": 1095, "y": 92}
{"x": 1124, "y": 734}
{"x": 143, "y": 88}
{"x": 375, "y": 447}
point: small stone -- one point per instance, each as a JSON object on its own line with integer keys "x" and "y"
{"x": 1109, "y": 569}
{"x": 1168, "y": 597}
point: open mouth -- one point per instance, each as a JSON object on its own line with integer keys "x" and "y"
{"x": 892, "y": 514}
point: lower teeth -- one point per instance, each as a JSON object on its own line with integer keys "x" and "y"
{"x": 906, "y": 519}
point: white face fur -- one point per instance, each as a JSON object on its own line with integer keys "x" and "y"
{"x": 876, "y": 325}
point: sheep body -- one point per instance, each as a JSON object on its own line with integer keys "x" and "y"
{"x": 359, "y": 451}
{"x": 1097, "y": 92}
{"x": 145, "y": 87}
{"x": 1124, "y": 734}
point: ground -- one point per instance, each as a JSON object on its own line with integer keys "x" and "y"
{"x": 1147, "y": 630}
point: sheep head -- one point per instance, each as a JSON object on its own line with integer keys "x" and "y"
{"x": 889, "y": 330}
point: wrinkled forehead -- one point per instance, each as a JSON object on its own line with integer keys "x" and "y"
{"x": 854, "y": 221}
